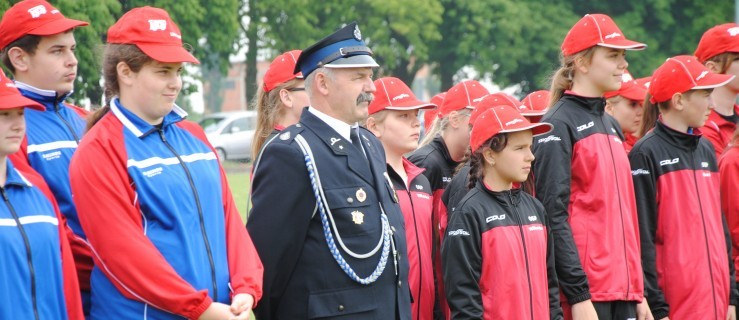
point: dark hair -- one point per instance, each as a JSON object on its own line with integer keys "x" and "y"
{"x": 28, "y": 43}
{"x": 477, "y": 162}
{"x": 114, "y": 54}
{"x": 724, "y": 60}
{"x": 651, "y": 112}
{"x": 562, "y": 78}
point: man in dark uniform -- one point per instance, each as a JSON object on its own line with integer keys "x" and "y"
{"x": 325, "y": 219}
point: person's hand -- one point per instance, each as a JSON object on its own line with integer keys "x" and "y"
{"x": 241, "y": 305}
{"x": 584, "y": 311}
{"x": 731, "y": 315}
{"x": 216, "y": 311}
{"x": 643, "y": 312}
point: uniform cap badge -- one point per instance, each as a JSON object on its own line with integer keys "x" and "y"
{"x": 357, "y": 217}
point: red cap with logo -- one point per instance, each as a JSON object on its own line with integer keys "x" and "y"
{"x": 492, "y": 100}
{"x": 463, "y": 95}
{"x": 11, "y": 98}
{"x": 597, "y": 30}
{"x": 281, "y": 70}
{"x": 34, "y": 17}
{"x": 717, "y": 40}
{"x": 630, "y": 89}
{"x": 536, "y": 103}
{"x": 152, "y": 31}
{"x": 644, "y": 82}
{"x": 680, "y": 74}
{"x": 501, "y": 119}
{"x": 393, "y": 94}
{"x": 430, "y": 115}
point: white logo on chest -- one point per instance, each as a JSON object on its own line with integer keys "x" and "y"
{"x": 585, "y": 126}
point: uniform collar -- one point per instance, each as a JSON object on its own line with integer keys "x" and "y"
{"x": 46, "y": 97}
{"x": 505, "y": 198}
{"x": 438, "y": 143}
{"x": 138, "y": 126}
{"x": 595, "y": 105}
{"x": 679, "y": 139}
{"x": 14, "y": 177}
{"x": 411, "y": 170}
{"x": 341, "y": 127}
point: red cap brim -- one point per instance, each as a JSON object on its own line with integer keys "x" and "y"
{"x": 713, "y": 80}
{"x": 537, "y": 128}
{"x": 57, "y": 26}
{"x": 19, "y": 101}
{"x": 635, "y": 93}
{"x": 624, "y": 44}
{"x": 411, "y": 105}
{"x": 167, "y": 54}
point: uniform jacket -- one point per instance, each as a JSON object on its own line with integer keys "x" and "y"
{"x": 166, "y": 237}
{"x": 439, "y": 165}
{"x": 684, "y": 239}
{"x": 729, "y": 185}
{"x": 415, "y": 201}
{"x": 456, "y": 190}
{"x": 583, "y": 179}
{"x": 51, "y": 139}
{"x": 719, "y": 131}
{"x": 39, "y": 280}
{"x": 302, "y": 280}
{"x": 498, "y": 258}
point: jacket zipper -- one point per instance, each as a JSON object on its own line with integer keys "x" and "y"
{"x": 29, "y": 258}
{"x": 418, "y": 249}
{"x": 525, "y": 252}
{"x": 705, "y": 234}
{"x": 621, "y": 211}
{"x": 200, "y": 213}
{"x": 66, "y": 123}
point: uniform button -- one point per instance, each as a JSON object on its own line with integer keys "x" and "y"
{"x": 400, "y": 283}
{"x": 350, "y": 200}
{"x": 341, "y": 307}
{"x": 298, "y": 125}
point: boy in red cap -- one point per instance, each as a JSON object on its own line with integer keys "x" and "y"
{"x": 584, "y": 180}
{"x": 497, "y": 255}
{"x": 442, "y": 150}
{"x": 626, "y": 106}
{"x": 685, "y": 245}
{"x": 39, "y": 277}
{"x": 718, "y": 50}
{"x": 37, "y": 44}
{"x": 168, "y": 240}
{"x": 393, "y": 118}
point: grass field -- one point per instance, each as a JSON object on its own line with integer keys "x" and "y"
{"x": 238, "y": 180}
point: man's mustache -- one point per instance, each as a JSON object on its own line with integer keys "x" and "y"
{"x": 365, "y": 97}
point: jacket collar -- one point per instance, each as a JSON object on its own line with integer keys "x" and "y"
{"x": 15, "y": 178}
{"x": 688, "y": 141}
{"x": 138, "y": 126}
{"x": 439, "y": 144}
{"x": 504, "y": 198}
{"x": 592, "y": 105}
{"x": 410, "y": 169}
{"x": 49, "y": 98}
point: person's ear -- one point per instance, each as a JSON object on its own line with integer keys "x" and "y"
{"x": 285, "y": 97}
{"x": 713, "y": 66}
{"x": 489, "y": 156}
{"x": 373, "y": 126}
{"x": 678, "y": 101}
{"x": 19, "y": 58}
{"x": 125, "y": 74}
{"x": 322, "y": 83}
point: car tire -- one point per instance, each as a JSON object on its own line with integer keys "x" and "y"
{"x": 221, "y": 154}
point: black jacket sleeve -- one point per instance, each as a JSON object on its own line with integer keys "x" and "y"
{"x": 279, "y": 220}
{"x": 461, "y": 255}
{"x": 645, "y": 189}
{"x": 734, "y": 292}
{"x": 555, "y": 308}
{"x": 553, "y": 166}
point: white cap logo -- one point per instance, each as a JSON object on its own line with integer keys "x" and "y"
{"x": 701, "y": 76}
{"x": 155, "y": 25}
{"x": 613, "y": 35}
{"x": 512, "y": 122}
{"x": 175, "y": 35}
{"x": 401, "y": 96}
{"x": 733, "y": 31}
{"x": 37, "y": 11}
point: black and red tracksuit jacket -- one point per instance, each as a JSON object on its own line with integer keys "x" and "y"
{"x": 583, "y": 179}
{"x": 728, "y": 166}
{"x": 439, "y": 165}
{"x": 415, "y": 202}
{"x": 684, "y": 239}
{"x": 498, "y": 258}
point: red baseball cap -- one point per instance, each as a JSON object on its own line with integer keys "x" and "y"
{"x": 492, "y": 100}
{"x": 630, "y": 89}
{"x": 536, "y": 103}
{"x": 11, "y": 98}
{"x": 393, "y": 94}
{"x": 430, "y": 115}
{"x": 717, "y": 40}
{"x": 34, "y": 17}
{"x": 680, "y": 74}
{"x": 153, "y": 31}
{"x": 463, "y": 95}
{"x": 644, "y": 82}
{"x": 597, "y": 30}
{"x": 281, "y": 70}
{"x": 500, "y": 119}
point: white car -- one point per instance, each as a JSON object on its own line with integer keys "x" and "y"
{"x": 231, "y": 133}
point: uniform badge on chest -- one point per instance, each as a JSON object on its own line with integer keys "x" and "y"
{"x": 357, "y": 217}
{"x": 361, "y": 195}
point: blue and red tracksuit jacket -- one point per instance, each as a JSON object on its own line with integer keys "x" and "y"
{"x": 39, "y": 280}
{"x": 685, "y": 243}
{"x": 51, "y": 139}
{"x": 166, "y": 237}
{"x": 499, "y": 258}
{"x": 415, "y": 200}
{"x": 583, "y": 179}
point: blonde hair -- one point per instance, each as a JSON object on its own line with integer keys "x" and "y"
{"x": 269, "y": 108}
{"x": 563, "y": 77}
{"x": 439, "y": 125}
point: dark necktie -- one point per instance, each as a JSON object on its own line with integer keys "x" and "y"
{"x": 354, "y": 136}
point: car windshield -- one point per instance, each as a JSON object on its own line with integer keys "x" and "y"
{"x": 211, "y": 124}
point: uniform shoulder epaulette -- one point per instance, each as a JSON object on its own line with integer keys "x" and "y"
{"x": 288, "y": 134}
